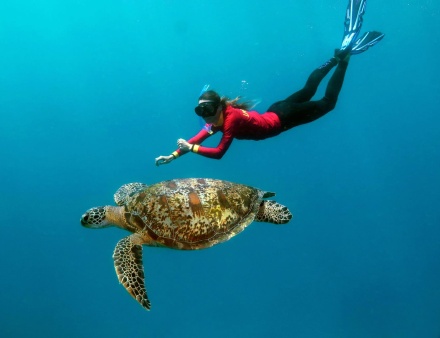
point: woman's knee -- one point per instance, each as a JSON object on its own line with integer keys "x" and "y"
{"x": 328, "y": 104}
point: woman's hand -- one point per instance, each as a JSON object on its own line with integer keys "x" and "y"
{"x": 183, "y": 145}
{"x": 163, "y": 160}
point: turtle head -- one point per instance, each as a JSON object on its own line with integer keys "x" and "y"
{"x": 95, "y": 218}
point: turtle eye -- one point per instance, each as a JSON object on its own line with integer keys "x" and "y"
{"x": 84, "y": 218}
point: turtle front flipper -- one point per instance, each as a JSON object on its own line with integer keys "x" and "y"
{"x": 273, "y": 212}
{"x": 128, "y": 265}
{"x": 126, "y": 191}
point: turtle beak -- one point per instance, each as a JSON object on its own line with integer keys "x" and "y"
{"x": 84, "y": 219}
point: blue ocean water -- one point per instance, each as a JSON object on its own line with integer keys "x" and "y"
{"x": 92, "y": 91}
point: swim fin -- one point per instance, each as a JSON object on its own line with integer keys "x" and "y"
{"x": 353, "y": 22}
{"x": 369, "y": 39}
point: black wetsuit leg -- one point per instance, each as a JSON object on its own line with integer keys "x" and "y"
{"x": 297, "y": 109}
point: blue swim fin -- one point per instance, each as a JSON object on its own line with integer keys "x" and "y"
{"x": 369, "y": 39}
{"x": 353, "y": 22}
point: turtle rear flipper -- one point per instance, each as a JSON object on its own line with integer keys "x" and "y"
{"x": 128, "y": 265}
{"x": 273, "y": 212}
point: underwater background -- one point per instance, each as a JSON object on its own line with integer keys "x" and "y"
{"x": 92, "y": 91}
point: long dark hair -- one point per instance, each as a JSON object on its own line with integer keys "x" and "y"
{"x": 225, "y": 101}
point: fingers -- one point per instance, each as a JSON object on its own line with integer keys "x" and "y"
{"x": 163, "y": 160}
{"x": 181, "y": 143}
{"x": 159, "y": 160}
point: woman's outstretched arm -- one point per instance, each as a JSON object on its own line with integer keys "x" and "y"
{"x": 199, "y": 138}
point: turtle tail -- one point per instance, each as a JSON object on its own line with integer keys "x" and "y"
{"x": 268, "y": 194}
{"x": 273, "y": 212}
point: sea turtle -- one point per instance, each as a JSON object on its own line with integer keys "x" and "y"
{"x": 185, "y": 214}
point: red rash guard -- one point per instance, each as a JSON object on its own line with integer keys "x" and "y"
{"x": 239, "y": 124}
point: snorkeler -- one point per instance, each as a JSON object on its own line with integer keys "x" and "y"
{"x": 234, "y": 119}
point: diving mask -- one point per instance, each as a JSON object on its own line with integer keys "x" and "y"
{"x": 206, "y": 109}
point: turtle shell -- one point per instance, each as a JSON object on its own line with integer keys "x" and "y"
{"x": 192, "y": 213}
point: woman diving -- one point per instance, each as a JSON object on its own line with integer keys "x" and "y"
{"x": 233, "y": 119}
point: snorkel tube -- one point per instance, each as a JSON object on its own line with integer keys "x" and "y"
{"x": 204, "y": 89}
{"x": 204, "y": 125}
